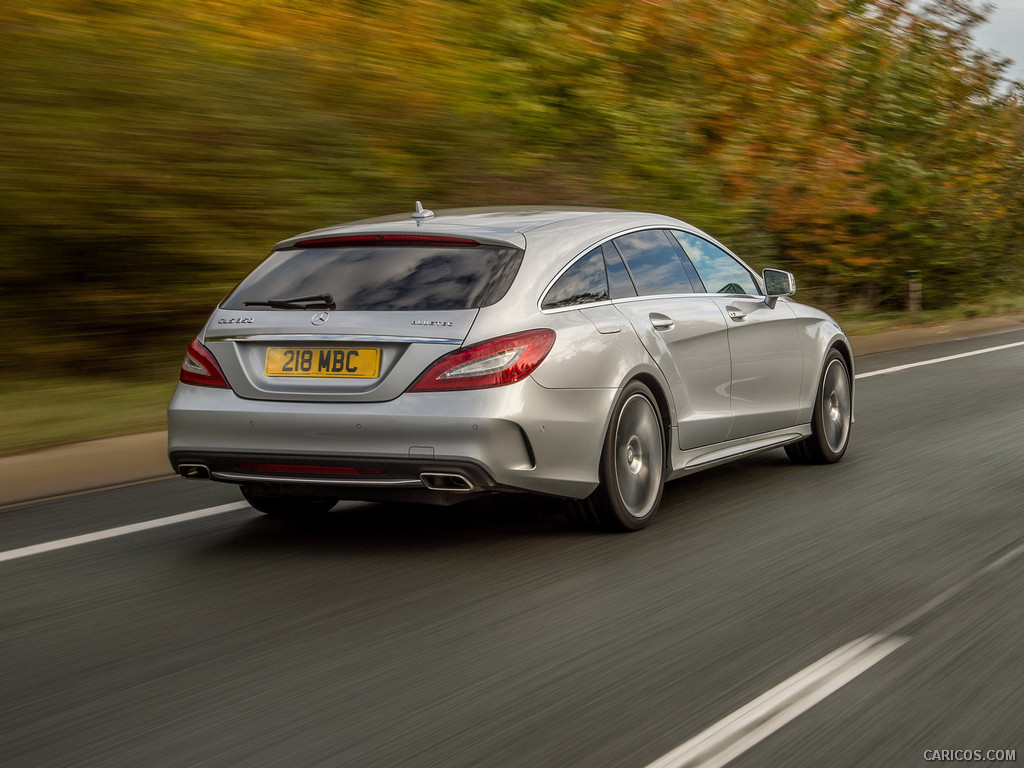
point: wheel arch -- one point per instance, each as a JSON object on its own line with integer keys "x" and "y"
{"x": 842, "y": 346}
{"x": 664, "y": 407}
{"x": 628, "y": 496}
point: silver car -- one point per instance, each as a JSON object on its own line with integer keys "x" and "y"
{"x": 586, "y": 354}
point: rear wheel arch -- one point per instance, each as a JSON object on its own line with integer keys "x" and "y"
{"x": 664, "y": 407}
{"x": 633, "y": 464}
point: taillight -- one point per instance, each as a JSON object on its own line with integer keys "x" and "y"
{"x": 492, "y": 363}
{"x": 200, "y": 368}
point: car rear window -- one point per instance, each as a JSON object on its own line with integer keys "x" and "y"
{"x": 384, "y": 278}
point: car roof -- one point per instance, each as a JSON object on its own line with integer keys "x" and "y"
{"x": 505, "y": 225}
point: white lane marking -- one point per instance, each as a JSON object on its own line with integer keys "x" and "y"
{"x": 738, "y": 732}
{"x": 745, "y": 727}
{"x": 953, "y": 591}
{"x": 898, "y": 368}
{"x": 74, "y": 541}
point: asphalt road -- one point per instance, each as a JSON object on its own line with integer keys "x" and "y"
{"x": 497, "y": 635}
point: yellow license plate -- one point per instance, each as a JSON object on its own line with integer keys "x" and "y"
{"x": 323, "y": 362}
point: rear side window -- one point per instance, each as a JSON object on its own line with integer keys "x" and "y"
{"x": 385, "y": 278}
{"x": 583, "y": 283}
{"x": 719, "y": 271}
{"x": 619, "y": 283}
{"x": 653, "y": 263}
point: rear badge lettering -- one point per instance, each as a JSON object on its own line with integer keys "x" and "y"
{"x": 235, "y": 320}
{"x": 441, "y": 323}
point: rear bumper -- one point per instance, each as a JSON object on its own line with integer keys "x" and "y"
{"x": 368, "y": 478}
{"x": 520, "y": 437}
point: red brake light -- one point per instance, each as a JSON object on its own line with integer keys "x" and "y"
{"x": 492, "y": 363}
{"x": 423, "y": 241}
{"x": 200, "y": 368}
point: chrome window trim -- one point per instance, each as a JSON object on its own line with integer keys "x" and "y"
{"x": 656, "y": 296}
{"x": 690, "y": 231}
{"x": 556, "y": 310}
{"x": 653, "y": 297}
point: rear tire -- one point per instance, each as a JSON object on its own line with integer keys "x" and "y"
{"x": 632, "y": 469}
{"x": 287, "y": 505}
{"x": 831, "y": 419}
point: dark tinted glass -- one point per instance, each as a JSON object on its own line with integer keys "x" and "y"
{"x": 583, "y": 283}
{"x": 619, "y": 283}
{"x": 368, "y": 279}
{"x": 653, "y": 263}
{"x": 695, "y": 281}
{"x": 719, "y": 271}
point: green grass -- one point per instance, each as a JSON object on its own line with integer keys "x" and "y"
{"x": 866, "y": 322}
{"x": 39, "y": 414}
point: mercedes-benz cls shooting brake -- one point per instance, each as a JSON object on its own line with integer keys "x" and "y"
{"x": 585, "y": 354}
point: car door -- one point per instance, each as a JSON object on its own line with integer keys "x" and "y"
{"x": 685, "y": 333}
{"x": 764, "y": 342}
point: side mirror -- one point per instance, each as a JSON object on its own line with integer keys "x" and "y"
{"x": 777, "y": 283}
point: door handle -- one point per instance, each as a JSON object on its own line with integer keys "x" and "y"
{"x": 662, "y": 323}
{"x": 736, "y": 313}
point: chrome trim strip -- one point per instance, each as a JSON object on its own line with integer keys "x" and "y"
{"x": 555, "y": 311}
{"x": 233, "y": 477}
{"x": 648, "y": 297}
{"x": 273, "y": 337}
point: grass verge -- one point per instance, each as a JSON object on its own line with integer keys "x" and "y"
{"x": 39, "y": 414}
{"x": 866, "y": 322}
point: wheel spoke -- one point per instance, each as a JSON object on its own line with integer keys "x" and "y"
{"x": 639, "y": 456}
{"x": 836, "y": 406}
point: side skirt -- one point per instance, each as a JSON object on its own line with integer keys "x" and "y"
{"x": 695, "y": 459}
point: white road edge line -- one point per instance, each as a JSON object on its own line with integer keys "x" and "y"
{"x": 74, "y": 541}
{"x": 735, "y": 734}
{"x": 898, "y": 368}
{"x": 738, "y": 732}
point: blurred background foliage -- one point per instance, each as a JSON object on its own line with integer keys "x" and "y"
{"x": 151, "y": 152}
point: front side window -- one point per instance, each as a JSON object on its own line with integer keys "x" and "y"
{"x": 583, "y": 283}
{"x": 653, "y": 263}
{"x": 719, "y": 271}
{"x": 385, "y": 278}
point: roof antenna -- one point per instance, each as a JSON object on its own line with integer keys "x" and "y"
{"x": 421, "y": 213}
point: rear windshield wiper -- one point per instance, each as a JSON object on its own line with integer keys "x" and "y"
{"x": 320, "y": 301}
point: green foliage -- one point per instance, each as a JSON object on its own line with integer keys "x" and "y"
{"x": 151, "y": 152}
{"x": 39, "y": 413}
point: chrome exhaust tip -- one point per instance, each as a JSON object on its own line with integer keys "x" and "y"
{"x": 444, "y": 481}
{"x": 194, "y": 471}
